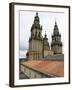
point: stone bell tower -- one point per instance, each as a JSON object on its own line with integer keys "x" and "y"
{"x": 36, "y": 40}
{"x": 46, "y": 46}
{"x": 56, "y": 44}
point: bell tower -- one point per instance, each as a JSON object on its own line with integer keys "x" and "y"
{"x": 46, "y": 46}
{"x": 35, "y": 40}
{"x": 56, "y": 44}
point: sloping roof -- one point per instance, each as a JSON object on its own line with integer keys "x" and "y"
{"x": 53, "y": 67}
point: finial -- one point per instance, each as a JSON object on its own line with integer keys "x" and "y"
{"x": 45, "y": 34}
{"x": 55, "y": 26}
{"x": 55, "y": 22}
{"x": 36, "y": 13}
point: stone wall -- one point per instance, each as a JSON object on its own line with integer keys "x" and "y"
{"x": 54, "y": 57}
{"x": 48, "y": 52}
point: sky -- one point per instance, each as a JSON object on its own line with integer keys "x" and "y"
{"x": 47, "y": 20}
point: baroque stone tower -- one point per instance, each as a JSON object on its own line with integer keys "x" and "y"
{"x": 56, "y": 44}
{"x": 35, "y": 40}
{"x": 38, "y": 46}
{"x": 46, "y": 47}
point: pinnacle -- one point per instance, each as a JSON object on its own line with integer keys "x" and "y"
{"x": 36, "y": 13}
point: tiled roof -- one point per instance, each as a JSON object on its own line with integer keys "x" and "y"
{"x": 53, "y": 67}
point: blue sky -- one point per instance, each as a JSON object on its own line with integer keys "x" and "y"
{"x": 47, "y": 20}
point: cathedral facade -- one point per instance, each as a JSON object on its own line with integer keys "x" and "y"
{"x": 39, "y": 45}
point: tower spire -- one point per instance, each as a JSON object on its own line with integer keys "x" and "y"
{"x": 55, "y": 22}
{"x": 56, "y": 30}
{"x": 36, "y": 29}
{"x": 45, "y": 42}
{"x": 56, "y": 44}
{"x": 36, "y": 13}
{"x": 36, "y": 19}
{"x": 45, "y": 35}
{"x": 36, "y": 24}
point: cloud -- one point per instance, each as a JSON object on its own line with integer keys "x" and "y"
{"x": 22, "y": 54}
{"x": 23, "y": 48}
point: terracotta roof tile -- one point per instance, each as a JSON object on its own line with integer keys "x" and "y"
{"x": 53, "y": 67}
